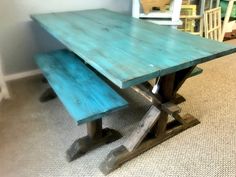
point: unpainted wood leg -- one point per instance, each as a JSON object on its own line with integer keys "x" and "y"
{"x": 161, "y": 130}
{"x": 96, "y": 137}
{"x": 161, "y": 124}
{"x": 94, "y": 129}
{"x": 120, "y": 155}
{"x": 47, "y": 95}
{"x": 179, "y": 99}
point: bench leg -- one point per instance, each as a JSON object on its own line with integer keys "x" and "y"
{"x": 47, "y": 95}
{"x": 96, "y": 137}
{"x": 44, "y": 80}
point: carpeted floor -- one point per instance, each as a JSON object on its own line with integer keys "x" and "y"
{"x": 35, "y": 136}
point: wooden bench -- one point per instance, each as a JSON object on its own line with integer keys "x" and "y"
{"x": 86, "y": 97}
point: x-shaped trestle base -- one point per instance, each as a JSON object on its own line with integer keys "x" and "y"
{"x": 154, "y": 128}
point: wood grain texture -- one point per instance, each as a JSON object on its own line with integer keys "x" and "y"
{"x": 143, "y": 128}
{"x": 126, "y": 50}
{"x": 85, "y": 96}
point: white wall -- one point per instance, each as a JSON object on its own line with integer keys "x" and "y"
{"x": 20, "y": 38}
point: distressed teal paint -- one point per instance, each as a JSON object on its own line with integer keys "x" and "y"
{"x": 85, "y": 96}
{"x": 129, "y": 51}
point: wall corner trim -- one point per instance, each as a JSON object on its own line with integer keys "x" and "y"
{"x": 21, "y": 75}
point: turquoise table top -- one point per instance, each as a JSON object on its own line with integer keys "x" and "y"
{"x": 126, "y": 50}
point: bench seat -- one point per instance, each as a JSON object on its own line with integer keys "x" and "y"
{"x": 85, "y": 96}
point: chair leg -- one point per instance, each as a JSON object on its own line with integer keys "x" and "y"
{"x": 122, "y": 154}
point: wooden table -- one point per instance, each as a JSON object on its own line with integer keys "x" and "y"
{"x": 129, "y": 52}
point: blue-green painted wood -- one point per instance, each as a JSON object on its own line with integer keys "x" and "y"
{"x": 196, "y": 71}
{"x": 85, "y": 96}
{"x": 129, "y": 51}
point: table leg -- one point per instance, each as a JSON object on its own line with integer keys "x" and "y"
{"x": 179, "y": 99}
{"x": 96, "y": 137}
{"x": 161, "y": 130}
{"x": 120, "y": 155}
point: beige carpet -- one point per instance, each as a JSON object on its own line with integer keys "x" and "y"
{"x": 34, "y": 136}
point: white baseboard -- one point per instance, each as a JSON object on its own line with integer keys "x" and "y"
{"x": 21, "y": 75}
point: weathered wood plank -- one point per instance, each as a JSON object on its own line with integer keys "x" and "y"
{"x": 143, "y": 128}
{"x": 149, "y": 4}
{"x": 120, "y": 155}
{"x": 170, "y": 108}
{"x": 85, "y": 96}
{"x": 129, "y": 51}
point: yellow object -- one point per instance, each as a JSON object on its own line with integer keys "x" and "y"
{"x": 148, "y": 5}
{"x": 185, "y": 2}
{"x": 189, "y": 18}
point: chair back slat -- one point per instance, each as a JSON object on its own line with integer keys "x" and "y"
{"x": 212, "y": 24}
